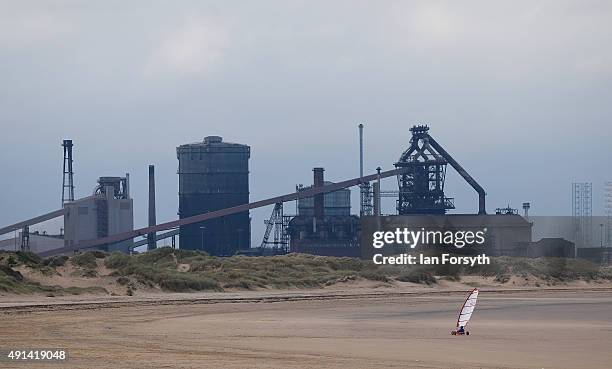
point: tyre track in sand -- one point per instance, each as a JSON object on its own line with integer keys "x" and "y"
{"x": 18, "y": 308}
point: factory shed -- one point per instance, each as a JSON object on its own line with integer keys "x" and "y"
{"x": 38, "y": 242}
{"x": 324, "y": 225}
{"x": 546, "y": 247}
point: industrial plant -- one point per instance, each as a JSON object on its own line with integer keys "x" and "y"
{"x": 324, "y": 224}
{"x": 214, "y": 204}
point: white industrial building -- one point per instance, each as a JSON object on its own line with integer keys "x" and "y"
{"x": 107, "y": 212}
{"x": 38, "y": 242}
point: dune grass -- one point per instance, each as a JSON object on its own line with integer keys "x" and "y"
{"x": 205, "y": 272}
{"x": 12, "y": 281}
{"x": 185, "y": 270}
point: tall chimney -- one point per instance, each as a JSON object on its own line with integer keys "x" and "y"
{"x": 360, "y": 150}
{"x": 362, "y": 188}
{"x": 319, "y": 200}
{"x": 151, "y": 244}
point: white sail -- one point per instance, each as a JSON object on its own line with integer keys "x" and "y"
{"x": 467, "y": 309}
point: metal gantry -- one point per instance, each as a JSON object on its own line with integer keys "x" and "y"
{"x": 310, "y": 192}
{"x": 608, "y": 211}
{"x": 35, "y": 220}
{"x": 277, "y": 226}
{"x": 582, "y": 213}
{"x": 25, "y": 239}
{"x": 421, "y": 187}
{"x": 366, "y": 197}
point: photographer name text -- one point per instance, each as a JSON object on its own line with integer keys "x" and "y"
{"x": 420, "y": 259}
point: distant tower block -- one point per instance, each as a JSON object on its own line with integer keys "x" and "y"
{"x": 582, "y": 213}
{"x": 67, "y": 182}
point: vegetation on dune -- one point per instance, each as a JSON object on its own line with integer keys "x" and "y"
{"x": 85, "y": 260}
{"x": 185, "y": 270}
{"x": 12, "y": 281}
{"x": 86, "y": 263}
{"x": 27, "y": 259}
{"x": 502, "y": 267}
{"x": 549, "y": 269}
{"x": 204, "y": 272}
{"x": 416, "y": 275}
{"x": 55, "y": 261}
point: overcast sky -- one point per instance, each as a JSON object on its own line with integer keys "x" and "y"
{"x": 518, "y": 92}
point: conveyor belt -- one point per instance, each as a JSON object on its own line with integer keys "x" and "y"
{"x": 225, "y": 212}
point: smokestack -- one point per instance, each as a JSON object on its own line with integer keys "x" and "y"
{"x": 526, "y": 207}
{"x": 152, "y": 221}
{"x": 362, "y": 188}
{"x": 361, "y": 150}
{"x": 319, "y": 204}
{"x": 377, "y": 210}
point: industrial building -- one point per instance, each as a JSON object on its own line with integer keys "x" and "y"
{"x": 337, "y": 203}
{"x": 324, "y": 224}
{"x": 37, "y": 242}
{"x": 545, "y": 247}
{"x": 597, "y": 255}
{"x": 420, "y": 201}
{"x": 107, "y": 212}
{"x": 214, "y": 175}
{"x": 421, "y": 186}
{"x": 214, "y": 207}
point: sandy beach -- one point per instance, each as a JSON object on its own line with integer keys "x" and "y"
{"x": 510, "y": 329}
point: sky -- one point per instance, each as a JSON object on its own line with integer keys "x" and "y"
{"x": 519, "y": 92}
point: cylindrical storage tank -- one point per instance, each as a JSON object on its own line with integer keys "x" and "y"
{"x": 214, "y": 175}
